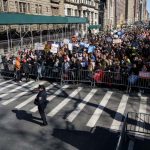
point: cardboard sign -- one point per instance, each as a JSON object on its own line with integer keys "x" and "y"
{"x": 39, "y": 46}
{"x": 117, "y": 41}
{"x": 54, "y": 48}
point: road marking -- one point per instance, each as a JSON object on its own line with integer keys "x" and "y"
{"x": 5, "y": 87}
{"x": 50, "y": 98}
{"x": 21, "y": 94}
{"x": 32, "y": 98}
{"x": 116, "y": 124}
{"x": 80, "y": 106}
{"x": 5, "y": 82}
{"x": 17, "y": 88}
{"x": 96, "y": 115}
{"x": 64, "y": 102}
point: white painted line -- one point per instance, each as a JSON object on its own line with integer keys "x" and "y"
{"x": 50, "y": 98}
{"x": 96, "y": 115}
{"x": 17, "y": 88}
{"x": 21, "y": 94}
{"x": 64, "y": 102}
{"x": 80, "y": 107}
{"x": 5, "y": 82}
{"x": 116, "y": 124}
{"x": 5, "y": 87}
{"x": 143, "y": 105}
{"x": 32, "y": 98}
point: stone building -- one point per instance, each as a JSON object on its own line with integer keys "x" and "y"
{"x": 35, "y": 7}
{"x": 83, "y": 8}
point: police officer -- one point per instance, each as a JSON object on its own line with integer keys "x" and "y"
{"x": 40, "y": 101}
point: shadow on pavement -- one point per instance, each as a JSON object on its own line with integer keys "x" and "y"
{"x": 98, "y": 139}
{"x": 23, "y": 115}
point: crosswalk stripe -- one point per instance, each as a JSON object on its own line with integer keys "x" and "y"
{"x": 64, "y": 102}
{"x": 119, "y": 114}
{"x": 17, "y": 88}
{"x": 8, "y": 86}
{"x": 34, "y": 109}
{"x": 99, "y": 110}
{"x": 32, "y": 98}
{"x": 21, "y": 94}
{"x": 79, "y": 108}
{"x": 5, "y": 82}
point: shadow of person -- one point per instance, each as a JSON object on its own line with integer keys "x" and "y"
{"x": 23, "y": 115}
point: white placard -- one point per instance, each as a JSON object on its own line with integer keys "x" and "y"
{"x": 54, "y": 48}
{"x": 39, "y": 46}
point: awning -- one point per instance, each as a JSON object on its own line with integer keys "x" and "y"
{"x": 94, "y": 26}
{"x": 22, "y": 19}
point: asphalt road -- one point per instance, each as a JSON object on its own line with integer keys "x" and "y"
{"x": 78, "y": 118}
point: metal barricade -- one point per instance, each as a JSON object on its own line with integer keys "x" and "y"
{"x": 7, "y": 70}
{"x": 110, "y": 78}
{"x": 46, "y": 72}
{"x": 77, "y": 76}
{"x": 138, "y": 82}
{"x": 135, "y": 124}
{"x": 52, "y": 73}
{"x": 138, "y": 123}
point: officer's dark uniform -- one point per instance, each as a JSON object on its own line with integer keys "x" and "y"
{"x": 40, "y": 101}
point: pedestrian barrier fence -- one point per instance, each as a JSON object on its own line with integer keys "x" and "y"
{"x": 134, "y": 124}
{"x": 76, "y": 76}
{"x": 98, "y": 77}
{"x": 138, "y": 122}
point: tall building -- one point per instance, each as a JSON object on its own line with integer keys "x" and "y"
{"x": 114, "y": 13}
{"x": 83, "y": 8}
{"x": 35, "y": 7}
{"x": 120, "y": 12}
{"x": 131, "y": 11}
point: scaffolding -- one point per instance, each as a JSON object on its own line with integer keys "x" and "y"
{"x": 57, "y": 29}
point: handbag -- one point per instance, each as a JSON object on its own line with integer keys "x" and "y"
{"x": 36, "y": 101}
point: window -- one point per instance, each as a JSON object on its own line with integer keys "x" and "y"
{"x": 95, "y": 16}
{"x": 76, "y": 12}
{"x": 17, "y": 8}
{"x": 55, "y": 11}
{"x": 69, "y": 11}
{"x": 22, "y": 7}
{"x": 40, "y": 9}
{"x": 36, "y": 8}
{"x": 5, "y": 5}
{"x": 46, "y": 9}
{"x": 29, "y": 9}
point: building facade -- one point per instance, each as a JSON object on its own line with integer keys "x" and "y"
{"x": 35, "y": 7}
{"x": 83, "y": 8}
{"x": 130, "y": 11}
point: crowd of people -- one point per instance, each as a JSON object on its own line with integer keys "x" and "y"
{"x": 122, "y": 51}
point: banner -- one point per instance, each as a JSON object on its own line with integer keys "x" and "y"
{"x": 145, "y": 75}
